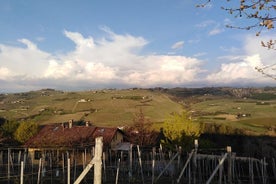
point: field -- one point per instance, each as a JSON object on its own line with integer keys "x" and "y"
{"x": 102, "y": 107}
{"x": 252, "y": 110}
{"x": 256, "y": 117}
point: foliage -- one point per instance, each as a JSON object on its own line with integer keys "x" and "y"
{"x": 181, "y": 131}
{"x": 264, "y": 96}
{"x": 9, "y": 128}
{"x": 25, "y": 131}
{"x": 213, "y": 128}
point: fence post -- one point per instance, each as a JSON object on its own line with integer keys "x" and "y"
{"x": 68, "y": 171}
{"x": 21, "y": 172}
{"x": 98, "y": 160}
{"x": 118, "y": 170}
{"x": 153, "y": 164}
{"x": 39, "y": 171}
{"x": 179, "y": 158}
{"x": 217, "y": 168}
{"x": 140, "y": 162}
{"x": 9, "y": 160}
{"x": 185, "y": 165}
{"x": 130, "y": 163}
{"x": 194, "y": 161}
{"x": 229, "y": 151}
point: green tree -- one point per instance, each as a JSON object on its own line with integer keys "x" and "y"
{"x": 25, "y": 131}
{"x": 8, "y": 128}
{"x": 181, "y": 131}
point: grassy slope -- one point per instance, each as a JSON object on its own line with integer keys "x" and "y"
{"x": 104, "y": 107}
{"x": 118, "y": 107}
{"x": 225, "y": 110}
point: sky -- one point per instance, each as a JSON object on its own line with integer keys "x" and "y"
{"x": 97, "y": 44}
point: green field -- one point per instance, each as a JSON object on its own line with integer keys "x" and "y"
{"x": 256, "y": 117}
{"x": 255, "y": 114}
{"x": 102, "y": 107}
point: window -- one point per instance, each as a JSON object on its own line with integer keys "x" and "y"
{"x": 37, "y": 155}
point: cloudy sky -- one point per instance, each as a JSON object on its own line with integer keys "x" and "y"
{"x": 95, "y": 44}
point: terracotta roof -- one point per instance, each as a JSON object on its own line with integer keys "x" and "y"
{"x": 76, "y": 136}
{"x": 106, "y": 133}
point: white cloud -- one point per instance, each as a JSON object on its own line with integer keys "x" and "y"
{"x": 166, "y": 70}
{"x": 200, "y": 54}
{"x": 79, "y": 40}
{"x": 27, "y": 61}
{"x": 28, "y": 43}
{"x": 253, "y": 45}
{"x": 116, "y": 61}
{"x": 5, "y": 73}
{"x": 102, "y": 62}
{"x": 238, "y": 72}
{"x": 205, "y": 23}
{"x": 216, "y": 30}
{"x": 215, "y": 27}
{"x": 178, "y": 45}
{"x": 241, "y": 68}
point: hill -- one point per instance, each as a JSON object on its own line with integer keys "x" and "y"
{"x": 253, "y": 110}
{"x": 249, "y": 109}
{"x": 101, "y": 107}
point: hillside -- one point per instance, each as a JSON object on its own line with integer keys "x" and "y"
{"x": 101, "y": 107}
{"x": 249, "y": 109}
{"x": 253, "y": 110}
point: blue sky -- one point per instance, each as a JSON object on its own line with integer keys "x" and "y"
{"x": 88, "y": 44}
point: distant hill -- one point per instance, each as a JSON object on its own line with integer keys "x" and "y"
{"x": 250, "y": 109}
{"x": 109, "y": 107}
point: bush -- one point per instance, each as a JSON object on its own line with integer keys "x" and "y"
{"x": 8, "y": 128}
{"x": 25, "y": 131}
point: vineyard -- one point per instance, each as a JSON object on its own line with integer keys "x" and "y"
{"x": 135, "y": 164}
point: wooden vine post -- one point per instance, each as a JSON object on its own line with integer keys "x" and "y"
{"x": 229, "y": 152}
{"x": 194, "y": 165}
{"x": 98, "y": 160}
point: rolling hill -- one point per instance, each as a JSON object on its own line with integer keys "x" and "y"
{"x": 101, "y": 107}
{"x": 250, "y": 109}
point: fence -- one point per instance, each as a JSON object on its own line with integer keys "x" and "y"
{"x": 136, "y": 165}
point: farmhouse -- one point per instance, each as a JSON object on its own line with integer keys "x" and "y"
{"x": 65, "y": 136}
{"x": 69, "y": 136}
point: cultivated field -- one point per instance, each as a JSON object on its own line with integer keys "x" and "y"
{"x": 253, "y": 110}
{"x": 102, "y": 107}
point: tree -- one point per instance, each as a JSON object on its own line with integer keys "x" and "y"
{"x": 260, "y": 14}
{"x": 141, "y": 132}
{"x": 181, "y": 131}
{"x": 25, "y": 131}
{"x": 8, "y": 128}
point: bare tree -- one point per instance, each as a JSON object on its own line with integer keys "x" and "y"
{"x": 141, "y": 132}
{"x": 260, "y": 14}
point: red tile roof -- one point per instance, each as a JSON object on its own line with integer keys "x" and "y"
{"x": 106, "y": 133}
{"x": 76, "y": 136}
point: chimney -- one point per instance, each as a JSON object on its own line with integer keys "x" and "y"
{"x": 70, "y": 123}
{"x": 63, "y": 126}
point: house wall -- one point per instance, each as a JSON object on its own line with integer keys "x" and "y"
{"x": 34, "y": 154}
{"x": 118, "y": 138}
{"x": 81, "y": 156}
